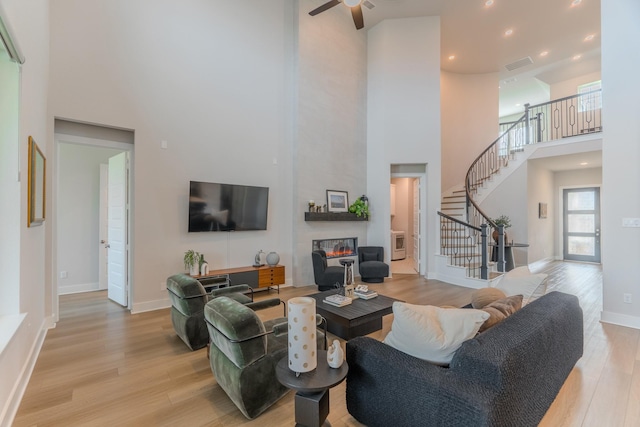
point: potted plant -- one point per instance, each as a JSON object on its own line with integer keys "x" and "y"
{"x": 503, "y": 220}
{"x": 192, "y": 262}
{"x": 360, "y": 207}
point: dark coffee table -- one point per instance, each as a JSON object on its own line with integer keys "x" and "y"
{"x": 361, "y": 317}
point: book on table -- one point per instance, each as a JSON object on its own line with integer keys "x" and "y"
{"x": 337, "y": 300}
{"x": 366, "y": 294}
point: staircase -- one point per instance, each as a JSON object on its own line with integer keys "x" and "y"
{"x": 463, "y": 258}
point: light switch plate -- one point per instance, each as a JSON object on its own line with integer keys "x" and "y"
{"x": 631, "y": 222}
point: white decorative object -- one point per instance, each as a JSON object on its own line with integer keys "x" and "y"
{"x": 258, "y": 259}
{"x": 303, "y": 356}
{"x": 204, "y": 269}
{"x": 273, "y": 259}
{"x": 335, "y": 355}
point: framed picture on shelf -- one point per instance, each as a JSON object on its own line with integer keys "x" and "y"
{"x": 337, "y": 201}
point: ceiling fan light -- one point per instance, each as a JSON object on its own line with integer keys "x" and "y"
{"x": 352, "y": 3}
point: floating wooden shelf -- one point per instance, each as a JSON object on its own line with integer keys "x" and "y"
{"x": 333, "y": 216}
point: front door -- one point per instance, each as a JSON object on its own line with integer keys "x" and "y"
{"x": 581, "y": 223}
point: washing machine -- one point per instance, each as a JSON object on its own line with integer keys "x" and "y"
{"x": 398, "y": 245}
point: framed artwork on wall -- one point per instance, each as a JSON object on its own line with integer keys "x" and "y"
{"x": 36, "y": 185}
{"x": 542, "y": 210}
{"x": 337, "y": 201}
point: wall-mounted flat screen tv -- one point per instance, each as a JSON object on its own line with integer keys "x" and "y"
{"x": 227, "y": 207}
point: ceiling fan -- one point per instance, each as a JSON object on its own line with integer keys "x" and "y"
{"x": 356, "y": 10}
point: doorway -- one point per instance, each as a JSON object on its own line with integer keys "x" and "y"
{"x": 88, "y": 171}
{"x": 581, "y": 224}
{"x": 405, "y": 225}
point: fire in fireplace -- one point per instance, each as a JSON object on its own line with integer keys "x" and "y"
{"x": 337, "y": 248}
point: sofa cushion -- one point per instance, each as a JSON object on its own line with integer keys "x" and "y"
{"x": 432, "y": 333}
{"x": 520, "y": 281}
{"x": 486, "y": 296}
{"x": 500, "y": 310}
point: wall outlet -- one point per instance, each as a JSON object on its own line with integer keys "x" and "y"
{"x": 63, "y": 274}
{"x": 627, "y": 298}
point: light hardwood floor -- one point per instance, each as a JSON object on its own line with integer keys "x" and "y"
{"x": 102, "y": 366}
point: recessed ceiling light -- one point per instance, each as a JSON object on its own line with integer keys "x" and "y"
{"x": 517, "y": 105}
{"x": 584, "y": 164}
{"x": 576, "y": 57}
{"x": 488, "y": 3}
{"x": 544, "y": 53}
{"x": 452, "y": 57}
{"x": 508, "y": 32}
{"x": 575, "y": 2}
{"x": 589, "y": 37}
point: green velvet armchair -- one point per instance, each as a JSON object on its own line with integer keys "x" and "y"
{"x": 188, "y": 298}
{"x": 244, "y": 354}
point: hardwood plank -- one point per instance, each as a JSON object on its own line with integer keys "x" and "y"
{"x": 103, "y": 366}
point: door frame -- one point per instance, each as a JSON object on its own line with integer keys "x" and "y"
{"x": 422, "y": 179}
{"x": 60, "y": 138}
{"x": 560, "y": 216}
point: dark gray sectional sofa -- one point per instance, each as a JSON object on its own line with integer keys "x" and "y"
{"x": 506, "y": 376}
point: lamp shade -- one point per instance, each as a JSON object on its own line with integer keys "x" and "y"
{"x": 303, "y": 356}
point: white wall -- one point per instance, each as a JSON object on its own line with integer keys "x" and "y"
{"x": 570, "y": 87}
{"x": 78, "y": 215}
{"x": 509, "y": 198}
{"x": 403, "y": 121}
{"x": 591, "y": 177}
{"x": 210, "y": 78}
{"x": 469, "y": 122}
{"x": 330, "y": 143}
{"x": 540, "y": 189}
{"x": 620, "y": 159}
{"x": 30, "y": 24}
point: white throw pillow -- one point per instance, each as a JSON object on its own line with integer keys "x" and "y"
{"x": 520, "y": 281}
{"x": 432, "y": 333}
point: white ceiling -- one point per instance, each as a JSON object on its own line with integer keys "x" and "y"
{"x": 586, "y": 160}
{"x": 474, "y": 33}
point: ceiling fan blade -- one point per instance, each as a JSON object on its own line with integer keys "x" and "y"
{"x": 326, "y": 6}
{"x": 358, "y": 19}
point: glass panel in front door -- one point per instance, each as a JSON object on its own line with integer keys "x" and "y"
{"x": 581, "y": 224}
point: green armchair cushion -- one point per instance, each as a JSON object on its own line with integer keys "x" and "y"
{"x": 236, "y": 322}
{"x": 188, "y": 299}
{"x": 183, "y": 292}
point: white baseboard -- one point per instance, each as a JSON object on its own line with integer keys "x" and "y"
{"x": 76, "y": 289}
{"x": 150, "y": 305}
{"x": 620, "y": 319}
{"x": 11, "y": 408}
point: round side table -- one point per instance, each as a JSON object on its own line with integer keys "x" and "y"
{"x": 312, "y": 389}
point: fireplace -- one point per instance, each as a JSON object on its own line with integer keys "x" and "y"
{"x": 337, "y": 248}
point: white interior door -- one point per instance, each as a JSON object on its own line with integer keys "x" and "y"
{"x": 102, "y": 234}
{"x": 416, "y": 225}
{"x": 117, "y": 229}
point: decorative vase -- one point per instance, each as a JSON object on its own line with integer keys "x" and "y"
{"x": 495, "y": 236}
{"x": 194, "y": 269}
{"x": 302, "y": 334}
{"x": 204, "y": 268}
{"x": 273, "y": 259}
{"x": 335, "y": 355}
